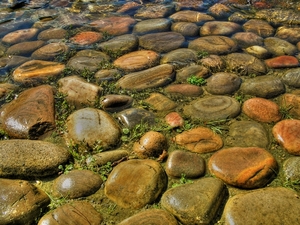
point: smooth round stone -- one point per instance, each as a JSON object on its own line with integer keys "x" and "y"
{"x": 196, "y": 203}
{"x": 199, "y": 140}
{"x": 213, "y": 108}
{"x": 259, "y": 27}
{"x": 35, "y": 70}
{"x": 24, "y": 48}
{"x": 147, "y": 181}
{"x": 151, "y": 144}
{"x": 76, "y": 212}
{"x": 155, "y": 11}
{"x": 258, "y": 52}
{"x": 290, "y": 34}
{"x": 269, "y": 206}
{"x": 213, "y": 62}
{"x": 263, "y": 86}
{"x": 247, "y": 134}
{"x": 52, "y": 33}
{"x": 20, "y": 36}
{"x": 279, "y": 47}
{"x": 31, "y": 114}
{"x": 286, "y": 133}
{"x": 191, "y": 16}
{"x": 262, "y": 110}
{"x": 187, "y": 29}
{"x": 220, "y": 11}
{"x": 190, "y": 164}
{"x": 50, "y": 51}
{"x": 121, "y": 44}
{"x": 198, "y": 70}
{"x": 78, "y": 91}
{"x": 152, "y": 26}
{"x": 116, "y": 103}
{"x": 30, "y": 159}
{"x": 207, "y": 44}
{"x": 184, "y": 89}
{"x": 291, "y": 102}
{"x": 223, "y": 83}
{"x": 162, "y": 42}
{"x": 292, "y": 78}
{"x": 114, "y": 25}
{"x": 180, "y": 57}
{"x": 245, "y": 64}
{"x": 137, "y": 60}
{"x": 174, "y": 119}
{"x": 239, "y": 17}
{"x": 150, "y": 78}
{"x": 243, "y": 167}
{"x": 160, "y": 102}
{"x": 151, "y": 216}
{"x": 247, "y": 39}
{"x": 21, "y": 202}
{"x": 92, "y": 126}
{"x": 102, "y": 158}
{"x": 86, "y": 38}
{"x": 107, "y": 75}
{"x": 76, "y": 184}
{"x": 284, "y": 61}
{"x": 224, "y": 28}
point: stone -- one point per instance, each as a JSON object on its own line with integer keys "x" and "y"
{"x": 262, "y": 110}
{"x": 129, "y": 8}
{"x": 197, "y": 70}
{"x": 52, "y": 33}
{"x": 31, "y": 114}
{"x": 213, "y": 62}
{"x": 290, "y": 34}
{"x": 187, "y": 29}
{"x": 243, "y": 167}
{"x": 31, "y": 158}
{"x": 35, "y": 70}
{"x": 199, "y": 140}
{"x": 220, "y": 11}
{"x": 191, "y": 16}
{"x": 10, "y": 62}
{"x": 258, "y": 52}
{"x": 76, "y": 212}
{"x": 189, "y": 90}
{"x": 180, "y": 57}
{"x": 259, "y": 27}
{"x": 155, "y": 11}
{"x": 147, "y": 181}
{"x": 50, "y": 51}
{"x": 24, "y": 48}
{"x": 152, "y": 26}
{"x": 279, "y": 17}
{"x": 213, "y": 108}
{"x": 279, "y": 47}
{"x": 116, "y": 103}
{"x": 107, "y": 75}
{"x": 86, "y": 38}
{"x": 291, "y": 103}
{"x": 224, "y": 28}
{"x": 21, "y": 202}
{"x": 76, "y": 184}
{"x": 284, "y": 61}
{"x": 286, "y": 133}
{"x": 92, "y": 126}
{"x": 291, "y": 169}
{"x": 189, "y": 164}
{"x": 292, "y": 77}
{"x": 223, "y": 83}
{"x": 247, "y": 39}
{"x": 110, "y": 157}
{"x": 174, "y": 119}
{"x": 160, "y": 102}
{"x": 20, "y": 36}
{"x": 6, "y": 88}
{"x": 269, "y": 206}
{"x": 196, "y": 203}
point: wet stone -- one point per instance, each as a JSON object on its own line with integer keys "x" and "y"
{"x": 174, "y": 119}
{"x": 187, "y": 29}
{"x": 6, "y": 88}
{"x": 290, "y": 34}
{"x": 220, "y": 11}
{"x": 258, "y": 52}
{"x": 247, "y": 39}
{"x": 21, "y": 202}
{"x": 292, "y": 78}
{"x": 147, "y": 181}
{"x": 116, "y": 103}
{"x": 269, "y": 206}
{"x": 50, "y": 51}
{"x": 52, "y": 33}
{"x": 197, "y": 70}
{"x": 24, "y": 48}
{"x": 107, "y": 157}
{"x": 31, "y": 114}
{"x": 259, "y": 27}
{"x": 180, "y": 162}
{"x": 160, "y": 102}
{"x": 223, "y": 83}
{"x": 28, "y": 158}
{"x": 196, "y": 203}
{"x": 92, "y": 126}
{"x": 213, "y": 108}
{"x": 76, "y": 212}
{"x": 184, "y": 89}
{"x": 243, "y": 167}
{"x": 214, "y": 63}
{"x": 9, "y": 62}
{"x": 76, "y": 184}
{"x": 286, "y": 133}
{"x": 278, "y": 17}
{"x": 152, "y": 26}
{"x": 224, "y": 28}
{"x": 284, "y": 61}
{"x": 291, "y": 103}
{"x": 86, "y": 38}
{"x": 180, "y": 57}
{"x": 20, "y": 36}
{"x": 199, "y": 140}
{"x": 291, "y": 169}
{"x": 263, "y": 86}
{"x": 191, "y": 16}
{"x": 129, "y": 8}
{"x": 247, "y": 134}
{"x": 107, "y": 75}
{"x": 279, "y": 47}
{"x": 155, "y": 11}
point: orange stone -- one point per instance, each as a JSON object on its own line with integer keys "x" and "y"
{"x": 174, "y": 119}
{"x": 86, "y": 38}
{"x": 282, "y": 62}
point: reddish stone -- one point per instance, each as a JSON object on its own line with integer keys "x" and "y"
{"x": 129, "y": 6}
{"x": 282, "y": 62}
{"x": 86, "y": 38}
{"x": 287, "y": 133}
{"x": 174, "y": 119}
{"x": 261, "y": 110}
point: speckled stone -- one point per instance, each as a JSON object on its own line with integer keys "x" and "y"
{"x": 86, "y": 38}
{"x": 291, "y": 169}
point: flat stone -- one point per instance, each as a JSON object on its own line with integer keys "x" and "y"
{"x": 200, "y": 140}
{"x": 197, "y": 70}
{"x": 262, "y": 110}
{"x": 247, "y": 39}
{"x": 180, "y": 57}
{"x": 292, "y": 77}
{"x": 152, "y": 26}
{"x": 279, "y": 47}
{"x": 160, "y": 102}
{"x": 184, "y": 89}
{"x": 214, "y": 63}
{"x": 284, "y": 61}
{"x": 286, "y": 133}
{"x": 102, "y": 158}
{"x": 196, "y": 203}
{"x": 52, "y": 33}
{"x": 223, "y": 83}
{"x": 291, "y": 169}
{"x": 21, "y": 202}
{"x": 155, "y": 11}
{"x": 290, "y": 34}
{"x": 220, "y": 11}
{"x": 147, "y": 181}
{"x": 180, "y": 162}
{"x": 191, "y": 16}
{"x": 249, "y": 167}
{"x": 116, "y": 103}
{"x": 31, "y": 114}
{"x": 86, "y": 38}
{"x": 129, "y": 8}
{"x": 20, "y": 36}
{"x": 258, "y": 51}
{"x": 24, "y": 48}
{"x": 31, "y": 159}
{"x": 269, "y": 206}
{"x": 187, "y": 29}
{"x": 107, "y": 75}
{"x": 259, "y": 27}
{"x": 76, "y": 212}
{"x": 224, "y": 28}
{"x": 291, "y": 102}
{"x": 50, "y": 51}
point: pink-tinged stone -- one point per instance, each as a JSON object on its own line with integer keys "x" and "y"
{"x": 249, "y": 167}
{"x": 184, "y": 89}
{"x": 283, "y": 61}
{"x": 173, "y": 119}
{"x": 114, "y": 25}
{"x": 287, "y": 133}
{"x": 20, "y": 36}
{"x": 262, "y": 110}
{"x": 86, "y": 38}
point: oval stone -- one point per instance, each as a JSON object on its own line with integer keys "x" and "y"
{"x": 247, "y": 39}
{"x": 214, "y": 63}
{"x": 50, "y": 51}
{"x": 258, "y": 51}
{"x": 24, "y": 48}
{"x": 284, "y": 61}
{"x": 152, "y": 26}
{"x": 250, "y": 167}
{"x": 291, "y": 103}
{"x": 290, "y": 34}
{"x": 259, "y": 27}
{"x": 52, "y": 33}
{"x": 20, "y": 36}
{"x": 292, "y": 78}
{"x": 86, "y": 38}
{"x": 102, "y": 158}
{"x": 160, "y": 102}
{"x": 198, "y": 70}
{"x": 224, "y": 28}
{"x": 279, "y": 47}
{"x": 184, "y": 89}
{"x": 155, "y": 11}
{"x": 223, "y": 83}
{"x": 180, "y": 57}
{"x": 174, "y": 119}
{"x": 116, "y": 103}
{"x": 187, "y": 29}
{"x": 191, "y": 16}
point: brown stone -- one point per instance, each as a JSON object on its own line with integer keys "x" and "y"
{"x": 152, "y": 26}
{"x": 20, "y": 36}
{"x": 284, "y": 61}
{"x": 197, "y": 70}
{"x": 86, "y": 38}
{"x": 247, "y": 39}
{"x": 291, "y": 103}
{"x": 223, "y": 83}
{"x": 191, "y": 16}
{"x": 160, "y": 102}
{"x": 259, "y": 27}
{"x": 185, "y": 28}
{"x": 24, "y": 48}
{"x": 225, "y": 28}
{"x": 52, "y": 33}
{"x": 279, "y": 47}
{"x": 184, "y": 89}
{"x": 50, "y": 51}
{"x": 116, "y": 103}
{"x": 290, "y": 34}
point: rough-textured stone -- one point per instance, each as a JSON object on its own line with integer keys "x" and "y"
{"x": 247, "y": 39}
{"x": 292, "y": 77}
{"x": 258, "y": 51}
{"x": 291, "y": 103}
{"x": 184, "y": 89}
{"x": 174, "y": 119}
